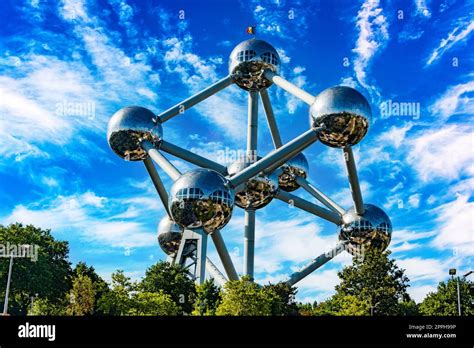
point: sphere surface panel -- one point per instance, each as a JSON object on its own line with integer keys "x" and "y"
{"x": 169, "y": 236}
{"x": 295, "y": 167}
{"x": 258, "y": 191}
{"x": 128, "y": 127}
{"x": 201, "y": 198}
{"x": 344, "y": 113}
{"x": 371, "y": 230}
{"x": 248, "y": 61}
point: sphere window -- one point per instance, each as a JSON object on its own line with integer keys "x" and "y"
{"x": 246, "y": 55}
{"x": 270, "y": 58}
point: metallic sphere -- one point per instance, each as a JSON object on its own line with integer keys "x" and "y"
{"x": 128, "y": 127}
{"x": 169, "y": 235}
{"x": 201, "y": 198}
{"x": 371, "y": 230}
{"x": 344, "y": 113}
{"x": 249, "y": 59}
{"x": 295, "y": 167}
{"x": 258, "y": 191}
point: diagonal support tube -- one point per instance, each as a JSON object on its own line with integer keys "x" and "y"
{"x": 157, "y": 182}
{"x": 197, "y": 98}
{"x": 315, "y": 264}
{"x": 215, "y": 273}
{"x": 272, "y": 125}
{"x": 277, "y": 157}
{"x": 191, "y": 157}
{"x": 289, "y": 87}
{"x": 224, "y": 255}
{"x": 309, "y": 207}
{"x": 353, "y": 180}
{"x": 161, "y": 160}
{"x": 328, "y": 202}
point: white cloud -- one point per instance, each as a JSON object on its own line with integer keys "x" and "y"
{"x": 322, "y": 282}
{"x": 444, "y": 153}
{"x": 418, "y": 268}
{"x": 373, "y": 36}
{"x": 86, "y": 215}
{"x": 275, "y": 19}
{"x": 414, "y": 200}
{"x": 418, "y": 293}
{"x": 459, "y": 34}
{"x": 455, "y": 223}
{"x": 455, "y": 100}
{"x": 422, "y": 8}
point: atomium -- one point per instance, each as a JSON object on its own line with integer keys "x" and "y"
{"x": 200, "y": 202}
{"x": 128, "y": 127}
{"x": 249, "y": 60}
{"x": 201, "y": 198}
{"x": 169, "y": 236}
{"x": 297, "y": 167}
{"x": 344, "y": 114}
{"x": 372, "y": 229}
{"x": 256, "y": 192}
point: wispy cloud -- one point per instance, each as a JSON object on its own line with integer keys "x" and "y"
{"x": 277, "y": 18}
{"x": 458, "y": 35}
{"x": 95, "y": 218}
{"x": 373, "y": 35}
{"x": 456, "y": 226}
{"x": 431, "y": 153}
{"x": 454, "y": 101}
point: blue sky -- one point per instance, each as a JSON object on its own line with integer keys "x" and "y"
{"x": 57, "y": 171}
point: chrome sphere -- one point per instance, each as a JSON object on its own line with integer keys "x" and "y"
{"x": 169, "y": 235}
{"x": 201, "y": 198}
{"x": 128, "y": 127}
{"x": 249, "y": 59}
{"x": 295, "y": 167}
{"x": 371, "y": 230}
{"x": 258, "y": 191}
{"x": 344, "y": 113}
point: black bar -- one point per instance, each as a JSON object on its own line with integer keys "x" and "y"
{"x": 290, "y": 331}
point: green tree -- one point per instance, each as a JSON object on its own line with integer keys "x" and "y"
{"x": 375, "y": 279}
{"x": 49, "y": 277}
{"x": 173, "y": 280}
{"x": 81, "y": 296}
{"x": 118, "y": 300}
{"x": 306, "y": 309}
{"x": 153, "y": 303}
{"x": 244, "y": 297}
{"x": 282, "y": 299}
{"x": 100, "y": 285}
{"x": 331, "y": 306}
{"x": 445, "y": 300}
{"x": 41, "y": 306}
{"x": 208, "y": 298}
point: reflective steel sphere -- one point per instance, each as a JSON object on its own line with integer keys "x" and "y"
{"x": 344, "y": 113}
{"x": 130, "y": 125}
{"x": 201, "y": 198}
{"x": 258, "y": 191}
{"x": 249, "y": 59}
{"x": 371, "y": 230}
{"x": 295, "y": 167}
{"x": 169, "y": 235}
